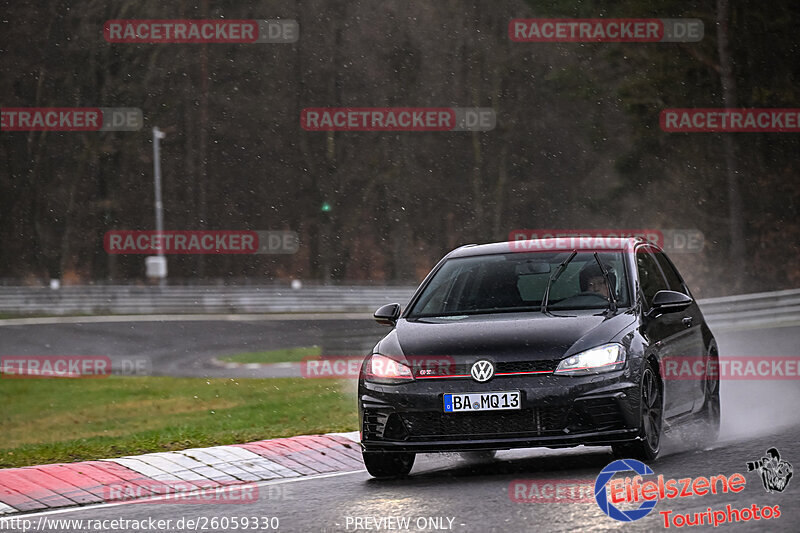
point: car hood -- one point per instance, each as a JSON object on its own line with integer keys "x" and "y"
{"x": 517, "y": 336}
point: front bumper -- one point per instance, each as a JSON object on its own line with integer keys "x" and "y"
{"x": 556, "y": 411}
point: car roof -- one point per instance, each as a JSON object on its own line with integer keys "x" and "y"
{"x": 583, "y": 243}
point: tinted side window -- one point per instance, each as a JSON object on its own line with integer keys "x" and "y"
{"x": 650, "y": 278}
{"x": 673, "y": 279}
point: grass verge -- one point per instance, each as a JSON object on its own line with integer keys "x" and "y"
{"x": 66, "y": 420}
{"x": 283, "y": 355}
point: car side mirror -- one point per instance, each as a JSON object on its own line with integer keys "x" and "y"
{"x": 387, "y": 315}
{"x": 669, "y": 302}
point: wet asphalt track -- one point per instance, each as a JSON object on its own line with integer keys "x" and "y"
{"x": 475, "y": 495}
{"x": 187, "y": 348}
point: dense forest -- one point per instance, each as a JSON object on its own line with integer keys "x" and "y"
{"x": 577, "y": 142}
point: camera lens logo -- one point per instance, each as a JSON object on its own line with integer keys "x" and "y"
{"x": 775, "y": 473}
{"x": 482, "y": 371}
{"x": 601, "y": 495}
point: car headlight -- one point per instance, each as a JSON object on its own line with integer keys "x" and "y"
{"x": 603, "y": 358}
{"x": 382, "y": 369}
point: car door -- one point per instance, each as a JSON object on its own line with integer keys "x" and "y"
{"x": 667, "y": 335}
{"x": 692, "y": 338}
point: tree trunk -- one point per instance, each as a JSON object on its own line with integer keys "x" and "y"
{"x": 735, "y": 206}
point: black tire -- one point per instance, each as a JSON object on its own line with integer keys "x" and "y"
{"x": 386, "y": 465}
{"x": 709, "y": 416}
{"x": 648, "y": 444}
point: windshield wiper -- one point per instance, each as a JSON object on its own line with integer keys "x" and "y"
{"x": 612, "y": 296}
{"x": 554, "y": 277}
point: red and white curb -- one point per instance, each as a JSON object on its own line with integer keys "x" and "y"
{"x": 34, "y": 488}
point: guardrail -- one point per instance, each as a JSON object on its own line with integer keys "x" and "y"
{"x": 756, "y": 309}
{"x": 123, "y": 299}
{"x": 767, "y": 308}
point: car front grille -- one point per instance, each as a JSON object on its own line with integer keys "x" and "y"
{"x": 373, "y": 424}
{"x": 600, "y": 413}
{"x": 594, "y": 414}
{"x": 538, "y": 421}
{"x": 463, "y": 369}
{"x": 527, "y": 366}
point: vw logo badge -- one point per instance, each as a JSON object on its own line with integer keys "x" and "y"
{"x": 482, "y": 371}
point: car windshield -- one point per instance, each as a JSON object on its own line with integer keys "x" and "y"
{"x": 517, "y": 282}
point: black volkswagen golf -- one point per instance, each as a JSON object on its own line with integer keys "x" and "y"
{"x": 531, "y": 344}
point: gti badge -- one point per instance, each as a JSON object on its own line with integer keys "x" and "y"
{"x": 482, "y": 370}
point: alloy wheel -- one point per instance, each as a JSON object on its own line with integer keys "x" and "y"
{"x": 651, "y": 408}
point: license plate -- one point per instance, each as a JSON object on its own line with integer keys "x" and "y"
{"x": 481, "y": 401}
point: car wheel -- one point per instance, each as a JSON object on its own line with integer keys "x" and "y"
{"x": 383, "y": 465}
{"x": 709, "y": 415}
{"x": 648, "y": 444}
